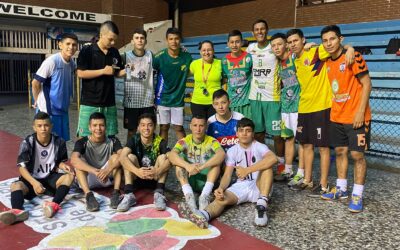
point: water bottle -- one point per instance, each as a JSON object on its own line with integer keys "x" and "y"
{"x": 128, "y": 72}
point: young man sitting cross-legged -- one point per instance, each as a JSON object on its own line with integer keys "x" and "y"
{"x": 253, "y": 163}
{"x": 40, "y": 156}
{"x": 197, "y": 158}
{"x": 145, "y": 163}
{"x": 96, "y": 161}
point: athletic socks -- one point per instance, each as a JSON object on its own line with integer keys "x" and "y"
{"x": 207, "y": 189}
{"x": 205, "y": 214}
{"x": 186, "y": 189}
{"x": 160, "y": 188}
{"x": 128, "y": 188}
{"x": 300, "y": 171}
{"x": 17, "y": 199}
{"x": 288, "y": 168}
{"x": 61, "y": 192}
{"x": 342, "y": 184}
{"x": 262, "y": 201}
{"x": 358, "y": 189}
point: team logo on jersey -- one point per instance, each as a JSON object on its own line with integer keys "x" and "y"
{"x": 290, "y": 94}
{"x": 142, "y": 75}
{"x": 115, "y": 61}
{"x": 342, "y": 67}
{"x": 328, "y": 69}
{"x": 307, "y": 62}
{"x": 247, "y": 59}
{"x": 44, "y": 153}
{"x": 335, "y": 86}
{"x": 146, "y": 161}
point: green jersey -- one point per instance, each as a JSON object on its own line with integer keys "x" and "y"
{"x": 171, "y": 78}
{"x": 290, "y": 95}
{"x": 238, "y": 72}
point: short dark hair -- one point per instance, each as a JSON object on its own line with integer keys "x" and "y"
{"x": 235, "y": 33}
{"x": 295, "y": 32}
{"x": 97, "y": 116}
{"x": 41, "y": 116}
{"x": 333, "y": 28}
{"x": 111, "y": 26}
{"x": 261, "y": 21}
{"x": 140, "y": 31}
{"x": 68, "y": 35}
{"x": 150, "y": 116}
{"x": 206, "y": 41}
{"x": 173, "y": 31}
{"x": 278, "y": 35}
{"x": 245, "y": 122}
{"x": 220, "y": 93}
{"x": 200, "y": 117}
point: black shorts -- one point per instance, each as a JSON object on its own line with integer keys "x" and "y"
{"x": 344, "y": 135}
{"x": 131, "y": 116}
{"x": 49, "y": 183}
{"x": 139, "y": 183}
{"x": 202, "y": 110}
{"x": 313, "y": 128}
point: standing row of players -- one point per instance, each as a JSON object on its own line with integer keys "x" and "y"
{"x": 303, "y": 104}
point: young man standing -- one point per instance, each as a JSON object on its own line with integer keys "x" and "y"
{"x": 290, "y": 95}
{"x": 197, "y": 158}
{"x": 139, "y": 89}
{"x": 236, "y": 70}
{"x": 222, "y": 125}
{"x": 253, "y": 162}
{"x": 53, "y": 82}
{"x": 350, "y": 116}
{"x": 40, "y": 156}
{"x": 314, "y": 109}
{"x": 98, "y": 64}
{"x": 96, "y": 161}
{"x": 265, "y": 90}
{"x": 172, "y": 65}
{"x": 145, "y": 163}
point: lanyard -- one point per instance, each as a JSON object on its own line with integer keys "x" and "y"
{"x": 205, "y": 78}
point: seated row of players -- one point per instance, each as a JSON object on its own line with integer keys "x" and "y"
{"x": 98, "y": 161}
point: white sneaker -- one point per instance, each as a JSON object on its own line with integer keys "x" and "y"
{"x": 191, "y": 201}
{"x": 204, "y": 200}
{"x": 261, "y": 218}
{"x": 160, "y": 201}
{"x": 128, "y": 201}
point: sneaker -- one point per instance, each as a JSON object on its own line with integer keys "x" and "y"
{"x": 204, "y": 200}
{"x": 335, "y": 194}
{"x": 91, "y": 203}
{"x": 160, "y": 202}
{"x": 115, "y": 199}
{"x": 261, "y": 218}
{"x": 283, "y": 176}
{"x": 13, "y": 215}
{"x": 297, "y": 179}
{"x": 195, "y": 216}
{"x": 191, "y": 201}
{"x": 50, "y": 208}
{"x": 302, "y": 186}
{"x": 318, "y": 191}
{"x": 128, "y": 201}
{"x": 280, "y": 168}
{"x": 356, "y": 204}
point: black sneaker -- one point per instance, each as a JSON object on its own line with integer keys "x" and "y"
{"x": 115, "y": 199}
{"x": 91, "y": 203}
{"x": 317, "y": 191}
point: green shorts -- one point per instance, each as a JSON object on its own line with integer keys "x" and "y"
{"x": 244, "y": 110}
{"x": 266, "y": 116}
{"x": 198, "y": 181}
{"x": 111, "y": 119}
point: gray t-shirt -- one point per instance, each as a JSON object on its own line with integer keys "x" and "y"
{"x": 97, "y": 154}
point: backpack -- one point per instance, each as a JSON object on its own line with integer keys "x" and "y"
{"x": 393, "y": 46}
{"x": 363, "y": 50}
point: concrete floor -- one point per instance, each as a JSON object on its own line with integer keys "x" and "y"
{"x": 295, "y": 221}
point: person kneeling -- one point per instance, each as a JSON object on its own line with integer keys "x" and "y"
{"x": 253, "y": 163}
{"x": 96, "y": 161}
{"x": 197, "y": 158}
{"x": 40, "y": 156}
{"x": 145, "y": 164}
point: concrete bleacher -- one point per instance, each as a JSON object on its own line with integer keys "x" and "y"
{"x": 384, "y": 71}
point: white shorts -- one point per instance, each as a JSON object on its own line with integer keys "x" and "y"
{"x": 94, "y": 182}
{"x": 245, "y": 191}
{"x": 170, "y": 115}
{"x": 289, "y": 125}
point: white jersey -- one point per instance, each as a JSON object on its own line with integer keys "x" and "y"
{"x": 44, "y": 160}
{"x": 238, "y": 156}
{"x": 265, "y": 83}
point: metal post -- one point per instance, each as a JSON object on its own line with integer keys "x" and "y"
{"x": 29, "y": 89}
